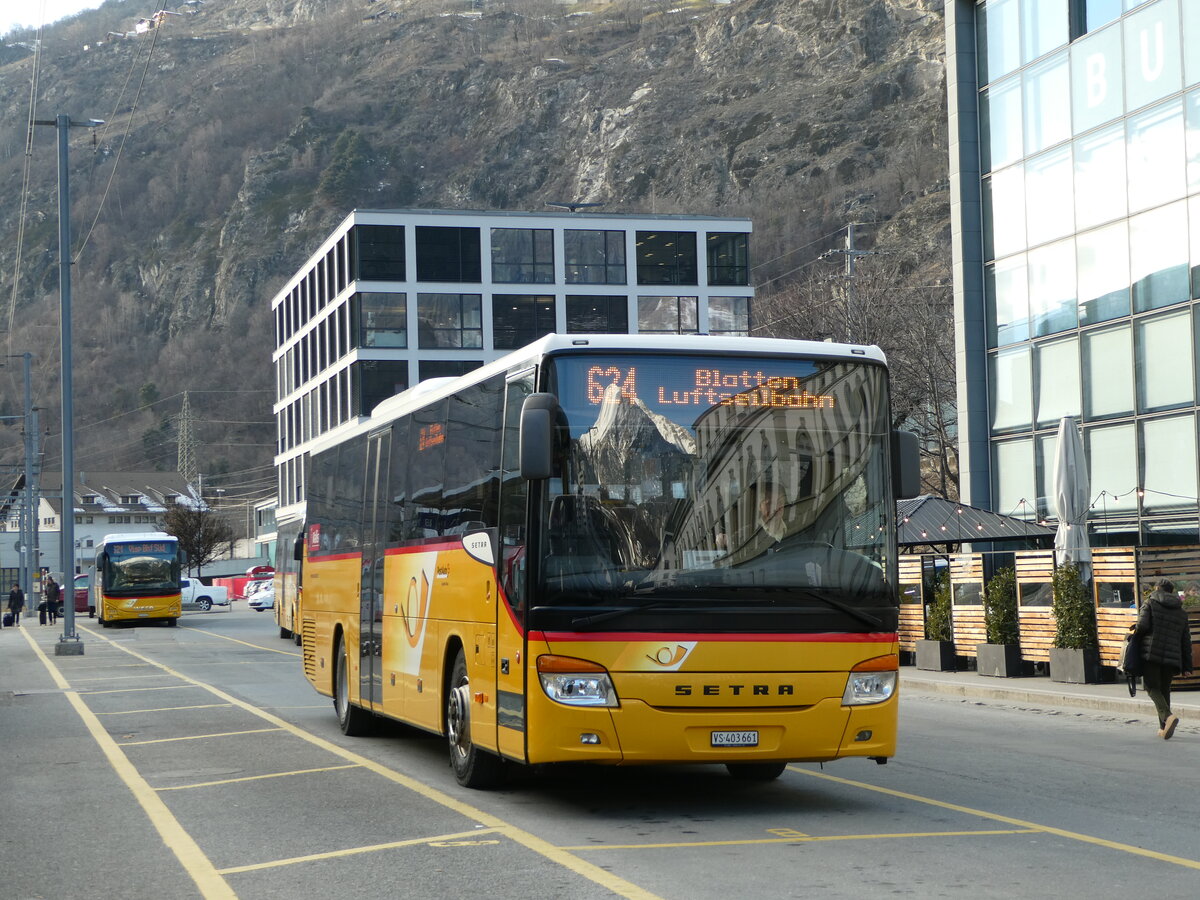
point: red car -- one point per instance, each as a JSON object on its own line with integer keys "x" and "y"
{"x": 83, "y": 595}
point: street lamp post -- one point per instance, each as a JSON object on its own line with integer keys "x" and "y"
{"x": 69, "y": 644}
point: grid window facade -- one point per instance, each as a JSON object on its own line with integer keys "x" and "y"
{"x": 1089, "y": 155}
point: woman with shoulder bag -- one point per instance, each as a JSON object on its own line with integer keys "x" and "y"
{"x": 1166, "y": 646}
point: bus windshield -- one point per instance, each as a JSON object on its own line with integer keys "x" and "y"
{"x": 141, "y": 568}
{"x": 719, "y": 493}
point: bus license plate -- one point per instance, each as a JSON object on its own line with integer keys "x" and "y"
{"x": 735, "y": 738}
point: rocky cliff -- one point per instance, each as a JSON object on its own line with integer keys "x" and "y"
{"x": 240, "y": 131}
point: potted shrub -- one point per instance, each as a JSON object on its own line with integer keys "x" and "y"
{"x": 936, "y": 652}
{"x": 1001, "y": 655}
{"x": 1075, "y": 656}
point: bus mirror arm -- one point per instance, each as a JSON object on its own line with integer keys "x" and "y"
{"x": 906, "y": 464}
{"x": 538, "y": 415}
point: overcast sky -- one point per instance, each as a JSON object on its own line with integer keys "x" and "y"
{"x": 31, "y": 13}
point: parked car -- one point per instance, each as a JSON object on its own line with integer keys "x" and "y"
{"x": 83, "y": 595}
{"x": 197, "y": 595}
{"x": 263, "y": 598}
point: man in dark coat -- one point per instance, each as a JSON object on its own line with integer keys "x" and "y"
{"x": 16, "y": 603}
{"x": 1162, "y": 627}
{"x": 53, "y": 594}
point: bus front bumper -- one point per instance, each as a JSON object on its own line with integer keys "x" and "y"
{"x": 636, "y": 733}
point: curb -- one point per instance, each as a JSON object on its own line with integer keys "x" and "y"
{"x": 1139, "y": 706}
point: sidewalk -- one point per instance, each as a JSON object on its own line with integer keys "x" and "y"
{"x": 1040, "y": 690}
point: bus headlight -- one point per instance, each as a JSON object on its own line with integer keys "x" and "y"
{"x": 872, "y": 681}
{"x": 576, "y": 682}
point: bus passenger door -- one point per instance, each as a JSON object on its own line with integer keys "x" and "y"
{"x": 374, "y": 533}
{"x": 511, "y": 562}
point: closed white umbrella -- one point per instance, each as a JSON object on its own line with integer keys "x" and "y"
{"x": 1072, "y": 498}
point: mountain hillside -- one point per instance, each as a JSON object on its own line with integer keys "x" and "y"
{"x": 240, "y": 131}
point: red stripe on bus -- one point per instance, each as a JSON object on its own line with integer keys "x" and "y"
{"x": 433, "y": 545}
{"x": 332, "y": 557}
{"x": 629, "y": 636}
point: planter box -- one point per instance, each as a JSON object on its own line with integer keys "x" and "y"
{"x": 936, "y": 656}
{"x": 1075, "y": 666}
{"x": 1001, "y": 661}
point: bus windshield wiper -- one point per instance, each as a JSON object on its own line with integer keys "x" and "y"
{"x": 615, "y": 613}
{"x": 849, "y": 610}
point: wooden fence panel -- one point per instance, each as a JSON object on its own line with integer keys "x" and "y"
{"x": 966, "y": 579}
{"x": 1035, "y": 623}
{"x": 912, "y": 602}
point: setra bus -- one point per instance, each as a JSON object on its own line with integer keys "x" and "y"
{"x": 137, "y": 578}
{"x": 617, "y": 549}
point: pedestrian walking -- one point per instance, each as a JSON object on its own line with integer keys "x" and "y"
{"x": 53, "y": 595}
{"x": 1162, "y": 626}
{"x": 16, "y": 603}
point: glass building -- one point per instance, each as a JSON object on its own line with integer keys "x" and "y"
{"x": 393, "y": 297}
{"x": 1075, "y": 189}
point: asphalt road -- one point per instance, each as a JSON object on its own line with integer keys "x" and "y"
{"x": 197, "y": 761}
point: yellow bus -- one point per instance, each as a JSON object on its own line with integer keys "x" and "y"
{"x": 617, "y": 549}
{"x": 287, "y": 579}
{"x": 137, "y": 578}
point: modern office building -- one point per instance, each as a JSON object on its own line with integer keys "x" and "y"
{"x": 1075, "y": 179}
{"x": 393, "y": 297}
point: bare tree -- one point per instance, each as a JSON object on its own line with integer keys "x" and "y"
{"x": 907, "y": 311}
{"x": 201, "y": 533}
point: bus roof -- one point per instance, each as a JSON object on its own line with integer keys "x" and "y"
{"x": 137, "y": 536}
{"x": 424, "y": 392}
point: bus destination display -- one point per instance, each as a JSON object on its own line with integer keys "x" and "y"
{"x": 704, "y": 386}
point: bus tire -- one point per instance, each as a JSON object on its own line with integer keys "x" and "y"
{"x": 204, "y": 603}
{"x": 284, "y": 634}
{"x": 764, "y": 771}
{"x": 171, "y": 623}
{"x": 296, "y": 639}
{"x": 473, "y": 767}
{"x": 353, "y": 721}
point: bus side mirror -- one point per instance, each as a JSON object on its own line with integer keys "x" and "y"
{"x": 906, "y": 464}
{"x": 537, "y": 436}
{"x": 101, "y": 560}
{"x": 298, "y": 548}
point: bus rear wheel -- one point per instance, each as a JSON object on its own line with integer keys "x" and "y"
{"x": 354, "y": 722}
{"x": 473, "y": 767}
{"x": 764, "y": 771}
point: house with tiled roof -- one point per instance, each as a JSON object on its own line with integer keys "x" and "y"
{"x": 104, "y": 503}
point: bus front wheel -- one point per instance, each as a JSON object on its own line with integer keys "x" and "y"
{"x": 354, "y": 722}
{"x": 473, "y": 767}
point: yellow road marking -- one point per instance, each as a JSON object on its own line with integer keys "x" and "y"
{"x": 198, "y": 866}
{"x": 335, "y": 854}
{"x": 117, "y": 677}
{"x": 165, "y": 687}
{"x": 580, "y": 867}
{"x": 1008, "y": 820}
{"x": 129, "y": 712}
{"x": 188, "y": 787}
{"x": 246, "y": 643}
{"x": 800, "y": 839}
{"x": 196, "y": 737}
